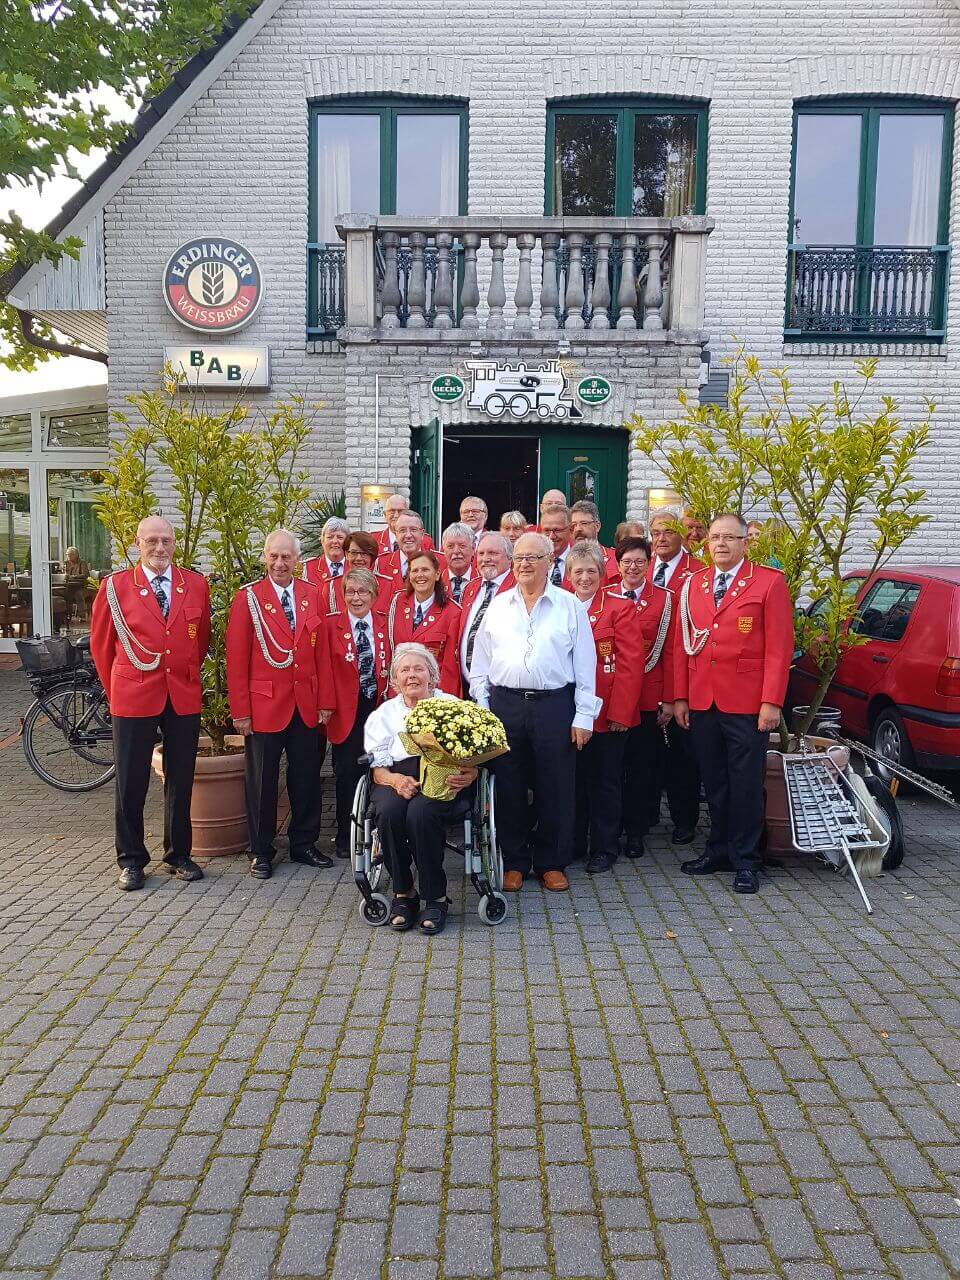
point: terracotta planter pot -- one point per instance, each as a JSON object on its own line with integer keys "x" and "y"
{"x": 217, "y": 810}
{"x": 777, "y": 811}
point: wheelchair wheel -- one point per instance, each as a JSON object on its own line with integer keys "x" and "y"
{"x": 490, "y": 856}
{"x": 375, "y": 911}
{"x": 492, "y": 908}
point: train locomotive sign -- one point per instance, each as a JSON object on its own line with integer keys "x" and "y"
{"x": 213, "y": 284}
{"x": 520, "y": 391}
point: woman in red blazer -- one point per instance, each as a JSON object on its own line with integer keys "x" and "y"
{"x": 424, "y": 612}
{"x": 619, "y": 642}
{"x": 359, "y": 552}
{"x": 350, "y": 688}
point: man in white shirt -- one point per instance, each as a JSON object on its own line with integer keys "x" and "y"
{"x": 555, "y": 524}
{"x": 473, "y": 513}
{"x": 457, "y": 543}
{"x": 534, "y": 665}
{"x": 493, "y": 576}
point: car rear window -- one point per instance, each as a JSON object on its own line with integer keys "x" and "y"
{"x": 886, "y": 609}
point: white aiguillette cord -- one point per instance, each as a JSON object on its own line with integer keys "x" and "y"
{"x": 657, "y": 647}
{"x": 693, "y": 638}
{"x": 125, "y": 635}
{"x": 260, "y": 627}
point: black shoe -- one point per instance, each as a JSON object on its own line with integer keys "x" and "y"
{"x": 635, "y": 848}
{"x": 746, "y": 881}
{"x": 187, "y": 870}
{"x": 705, "y": 865}
{"x": 600, "y": 862}
{"x": 341, "y": 852}
{"x": 261, "y": 869}
{"x": 684, "y": 835}
{"x": 311, "y": 858}
{"x": 131, "y": 878}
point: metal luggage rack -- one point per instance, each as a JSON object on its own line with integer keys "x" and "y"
{"x": 827, "y": 817}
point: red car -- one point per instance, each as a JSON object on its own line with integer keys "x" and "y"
{"x": 899, "y": 691}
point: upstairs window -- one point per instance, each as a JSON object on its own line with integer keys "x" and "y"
{"x": 377, "y": 156}
{"x": 868, "y": 255}
{"x": 639, "y": 159}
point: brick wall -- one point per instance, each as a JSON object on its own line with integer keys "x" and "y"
{"x": 237, "y": 163}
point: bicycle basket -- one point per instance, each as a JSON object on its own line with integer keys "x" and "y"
{"x": 43, "y": 657}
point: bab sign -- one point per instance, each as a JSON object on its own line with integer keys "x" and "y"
{"x": 220, "y": 366}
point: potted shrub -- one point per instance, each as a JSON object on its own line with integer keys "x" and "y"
{"x": 232, "y": 476}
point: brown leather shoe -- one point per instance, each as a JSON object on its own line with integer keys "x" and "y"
{"x": 513, "y": 881}
{"x": 555, "y": 880}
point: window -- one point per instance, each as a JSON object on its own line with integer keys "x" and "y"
{"x": 15, "y": 433}
{"x": 86, "y": 429}
{"x": 868, "y": 221}
{"x": 851, "y": 586}
{"x": 375, "y": 156}
{"x": 642, "y": 159}
{"x": 886, "y": 610}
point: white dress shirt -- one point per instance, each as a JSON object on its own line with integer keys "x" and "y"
{"x": 474, "y": 610}
{"x": 332, "y": 564}
{"x": 380, "y": 733}
{"x": 547, "y": 648}
{"x": 353, "y": 627}
{"x": 423, "y": 605}
{"x": 563, "y": 563}
{"x": 671, "y": 566}
{"x": 730, "y": 574}
{"x": 166, "y": 578}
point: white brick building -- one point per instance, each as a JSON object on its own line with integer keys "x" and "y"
{"x": 712, "y": 94}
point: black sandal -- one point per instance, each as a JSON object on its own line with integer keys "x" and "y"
{"x": 434, "y": 916}
{"x": 407, "y": 909}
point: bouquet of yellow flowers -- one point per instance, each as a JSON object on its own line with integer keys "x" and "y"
{"x": 448, "y": 736}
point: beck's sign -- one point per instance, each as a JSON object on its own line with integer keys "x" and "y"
{"x": 213, "y": 284}
{"x": 209, "y": 365}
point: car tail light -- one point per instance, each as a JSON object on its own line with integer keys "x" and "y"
{"x": 948, "y": 680}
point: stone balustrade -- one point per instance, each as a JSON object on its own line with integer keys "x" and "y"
{"x": 629, "y": 278}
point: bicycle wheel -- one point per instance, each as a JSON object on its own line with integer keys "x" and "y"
{"x": 93, "y": 736}
{"x": 47, "y": 730}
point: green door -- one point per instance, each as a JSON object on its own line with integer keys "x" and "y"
{"x": 425, "y": 475}
{"x": 588, "y": 466}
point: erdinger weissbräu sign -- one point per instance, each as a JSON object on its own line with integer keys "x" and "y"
{"x": 521, "y": 390}
{"x": 213, "y": 284}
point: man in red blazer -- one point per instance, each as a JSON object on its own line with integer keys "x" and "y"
{"x": 585, "y": 526}
{"x": 395, "y": 506}
{"x": 410, "y": 538}
{"x": 274, "y": 665}
{"x": 458, "y": 547}
{"x": 732, "y": 660}
{"x": 493, "y": 576}
{"x": 149, "y": 634}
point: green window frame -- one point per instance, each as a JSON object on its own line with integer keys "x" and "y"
{"x": 868, "y": 316}
{"x": 323, "y": 275}
{"x": 627, "y": 111}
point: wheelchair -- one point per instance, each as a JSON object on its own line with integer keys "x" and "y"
{"x": 483, "y": 862}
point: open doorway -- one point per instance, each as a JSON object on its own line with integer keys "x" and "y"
{"x": 502, "y": 470}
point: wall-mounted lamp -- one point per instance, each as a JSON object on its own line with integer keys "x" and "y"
{"x": 563, "y": 345}
{"x": 475, "y": 348}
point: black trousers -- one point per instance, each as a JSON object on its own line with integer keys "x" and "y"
{"x": 305, "y": 749}
{"x": 134, "y": 738}
{"x": 347, "y": 773}
{"x": 413, "y": 832}
{"x": 541, "y": 759}
{"x": 676, "y": 772}
{"x": 599, "y": 792}
{"x": 642, "y": 776}
{"x": 733, "y": 755}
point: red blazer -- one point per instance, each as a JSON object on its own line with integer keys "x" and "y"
{"x": 658, "y": 681}
{"x": 331, "y": 593}
{"x": 688, "y": 565}
{"x": 620, "y": 652}
{"x": 446, "y": 575}
{"x": 340, "y": 682}
{"x": 383, "y": 537}
{"x": 181, "y": 639}
{"x": 389, "y": 565}
{"x": 256, "y": 689}
{"x": 746, "y": 659}
{"x": 315, "y": 570}
{"x": 439, "y": 631}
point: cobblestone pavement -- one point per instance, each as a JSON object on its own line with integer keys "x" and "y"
{"x": 649, "y": 1077}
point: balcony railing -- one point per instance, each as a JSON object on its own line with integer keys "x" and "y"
{"x": 883, "y": 292}
{"x": 622, "y": 276}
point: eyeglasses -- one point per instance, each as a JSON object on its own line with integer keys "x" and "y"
{"x": 727, "y": 537}
{"x": 633, "y": 564}
{"x": 528, "y": 559}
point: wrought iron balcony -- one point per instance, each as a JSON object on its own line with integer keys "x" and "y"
{"x": 420, "y": 279}
{"x": 881, "y": 292}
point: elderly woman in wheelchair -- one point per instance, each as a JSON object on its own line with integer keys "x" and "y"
{"x": 410, "y": 828}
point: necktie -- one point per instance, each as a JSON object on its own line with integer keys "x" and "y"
{"x": 475, "y": 626}
{"x": 457, "y": 586}
{"x": 287, "y": 607}
{"x": 630, "y": 595}
{"x": 660, "y": 577}
{"x": 368, "y": 683}
{"x": 336, "y": 570}
{"x": 720, "y": 589}
{"x": 418, "y": 617}
{"x": 556, "y": 577}
{"x": 161, "y": 595}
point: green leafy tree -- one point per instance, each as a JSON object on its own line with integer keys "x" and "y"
{"x": 837, "y": 478}
{"x": 56, "y": 58}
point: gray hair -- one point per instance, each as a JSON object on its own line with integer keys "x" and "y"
{"x": 364, "y": 578}
{"x": 587, "y": 551}
{"x": 457, "y": 530}
{"x": 505, "y": 544}
{"x": 414, "y": 515}
{"x": 664, "y": 513}
{"x": 336, "y": 524}
{"x": 514, "y": 518}
{"x": 555, "y": 511}
{"x": 472, "y": 497}
{"x": 280, "y": 532}
{"x": 731, "y": 515}
{"x": 584, "y": 507}
{"x": 413, "y": 650}
{"x": 544, "y": 543}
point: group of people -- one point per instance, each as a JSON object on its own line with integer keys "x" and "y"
{"x": 619, "y": 672}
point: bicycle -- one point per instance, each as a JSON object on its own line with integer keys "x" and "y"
{"x": 66, "y": 733}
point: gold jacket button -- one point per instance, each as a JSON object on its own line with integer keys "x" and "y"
{"x": 167, "y": 650}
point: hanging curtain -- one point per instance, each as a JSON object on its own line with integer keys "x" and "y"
{"x": 448, "y": 162}
{"x": 335, "y": 194}
{"x": 924, "y": 192}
